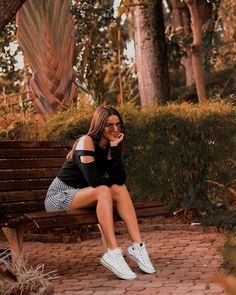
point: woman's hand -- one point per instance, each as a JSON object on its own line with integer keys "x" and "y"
{"x": 117, "y": 140}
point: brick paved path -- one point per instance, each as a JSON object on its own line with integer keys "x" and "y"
{"x": 183, "y": 260}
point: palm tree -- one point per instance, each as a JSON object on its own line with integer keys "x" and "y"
{"x": 8, "y": 9}
{"x": 46, "y": 36}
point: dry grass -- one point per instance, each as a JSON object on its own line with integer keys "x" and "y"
{"x": 21, "y": 278}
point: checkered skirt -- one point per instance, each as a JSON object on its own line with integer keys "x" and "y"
{"x": 59, "y": 196}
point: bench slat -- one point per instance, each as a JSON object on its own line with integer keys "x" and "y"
{"x": 35, "y": 144}
{"x": 73, "y": 219}
{"x": 22, "y": 195}
{"x": 33, "y": 153}
{"x": 33, "y": 163}
{"x": 28, "y": 173}
{"x": 137, "y": 205}
{"x": 23, "y": 207}
{"x": 25, "y": 184}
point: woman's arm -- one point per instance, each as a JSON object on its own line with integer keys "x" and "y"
{"x": 115, "y": 166}
{"x": 84, "y": 158}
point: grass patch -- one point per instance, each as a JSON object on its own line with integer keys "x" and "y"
{"x": 23, "y": 279}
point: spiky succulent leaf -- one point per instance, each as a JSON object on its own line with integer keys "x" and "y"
{"x": 46, "y": 36}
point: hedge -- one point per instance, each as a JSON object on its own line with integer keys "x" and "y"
{"x": 182, "y": 155}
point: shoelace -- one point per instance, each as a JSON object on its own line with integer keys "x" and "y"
{"x": 144, "y": 254}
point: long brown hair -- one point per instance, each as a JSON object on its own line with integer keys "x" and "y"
{"x": 97, "y": 125}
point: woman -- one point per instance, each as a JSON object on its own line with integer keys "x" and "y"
{"x": 93, "y": 175}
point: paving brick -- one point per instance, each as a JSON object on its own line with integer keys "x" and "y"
{"x": 183, "y": 260}
{"x": 136, "y": 288}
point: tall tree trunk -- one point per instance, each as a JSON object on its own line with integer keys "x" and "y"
{"x": 187, "y": 61}
{"x": 209, "y": 33}
{"x": 181, "y": 23}
{"x": 151, "y": 52}
{"x": 8, "y": 9}
{"x": 196, "y": 50}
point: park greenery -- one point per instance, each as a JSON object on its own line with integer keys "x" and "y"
{"x": 177, "y": 91}
{"x": 176, "y": 94}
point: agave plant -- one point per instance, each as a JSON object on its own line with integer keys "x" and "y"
{"x": 46, "y": 36}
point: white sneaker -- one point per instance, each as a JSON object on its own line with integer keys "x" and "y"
{"x": 114, "y": 261}
{"x": 140, "y": 255}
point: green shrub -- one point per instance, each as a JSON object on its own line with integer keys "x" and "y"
{"x": 225, "y": 219}
{"x": 171, "y": 151}
{"x": 19, "y": 130}
{"x": 18, "y": 127}
{"x": 69, "y": 124}
{"x": 229, "y": 254}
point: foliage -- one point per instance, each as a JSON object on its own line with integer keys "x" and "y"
{"x": 97, "y": 42}
{"x": 10, "y": 77}
{"x": 172, "y": 151}
{"x": 211, "y": 36}
{"x": 27, "y": 278}
{"x": 220, "y": 84}
{"x": 18, "y": 127}
{"x": 97, "y": 45}
{"x": 69, "y": 124}
{"x": 226, "y": 28}
{"x": 93, "y": 43}
{"x": 225, "y": 219}
{"x": 228, "y": 252}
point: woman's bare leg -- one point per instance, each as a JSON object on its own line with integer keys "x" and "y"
{"x": 126, "y": 211}
{"x": 101, "y": 197}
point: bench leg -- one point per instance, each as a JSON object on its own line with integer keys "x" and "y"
{"x": 104, "y": 243}
{"x": 15, "y": 239}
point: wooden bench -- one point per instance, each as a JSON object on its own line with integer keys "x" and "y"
{"x": 26, "y": 170}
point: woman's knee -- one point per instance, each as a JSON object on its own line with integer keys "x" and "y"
{"x": 103, "y": 192}
{"x": 119, "y": 192}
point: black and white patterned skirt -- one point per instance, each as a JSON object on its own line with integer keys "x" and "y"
{"x": 59, "y": 196}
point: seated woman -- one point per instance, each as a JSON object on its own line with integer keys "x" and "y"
{"x": 93, "y": 175}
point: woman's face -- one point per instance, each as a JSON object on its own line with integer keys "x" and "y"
{"x": 112, "y": 128}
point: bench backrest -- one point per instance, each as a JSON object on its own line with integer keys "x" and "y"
{"x": 26, "y": 170}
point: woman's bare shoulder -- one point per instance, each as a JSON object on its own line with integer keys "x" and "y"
{"x": 85, "y": 143}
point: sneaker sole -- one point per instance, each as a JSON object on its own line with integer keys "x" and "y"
{"x": 141, "y": 266}
{"x": 117, "y": 273}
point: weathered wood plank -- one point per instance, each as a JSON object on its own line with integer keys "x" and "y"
{"x": 29, "y": 184}
{"x": 23, "y": 207}
{"x": 16, "y": 174}
{"x": 83, "y": 217}
{"x": 33, "y": 163}
{"x": 35, "y": 144}
{"x": 22, "y": 195}
{"x": 33, "y": 153}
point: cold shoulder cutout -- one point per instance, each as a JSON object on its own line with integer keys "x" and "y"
{"x": 85, "y": 143}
